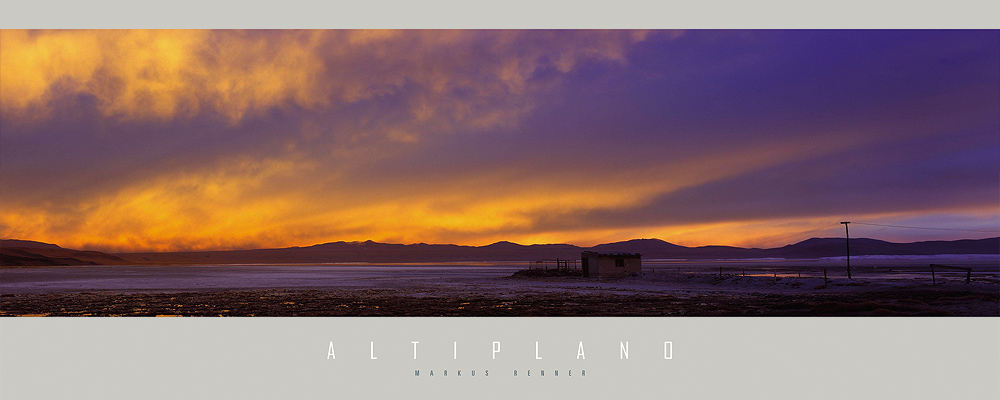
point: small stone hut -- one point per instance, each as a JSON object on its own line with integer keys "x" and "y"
{"x": 610, "y": 265}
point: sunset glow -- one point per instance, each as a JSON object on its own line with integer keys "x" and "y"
{"x": 166, "y": 140}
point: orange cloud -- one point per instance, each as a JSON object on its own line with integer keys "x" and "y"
{"x": 167, "y": 74}
{"x": 159, "y": 74}
{"x": 196, "y": 209}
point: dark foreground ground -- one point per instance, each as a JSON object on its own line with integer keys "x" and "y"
{"x": 930, "y": 301}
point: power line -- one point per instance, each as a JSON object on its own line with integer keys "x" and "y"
{"x": 928, "y": 228}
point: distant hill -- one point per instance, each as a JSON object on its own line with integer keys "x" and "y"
{"x": 20, "y": 252}
{"x": 26, "y": 244}
{"x": 640, "y": 246}
{"x": 833, "y": 247}
{"x": 370, "y": 251}
{"x": 367, "y": 251}
{"x": 810, "y": 248}
{"x": 30, "y": 253}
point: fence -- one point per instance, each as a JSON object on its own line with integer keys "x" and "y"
{"x": 781, "y": 272}
{"x": 558, "y": 264}
{"x": 968, "y": 272}
{"x": 826, "y": 272}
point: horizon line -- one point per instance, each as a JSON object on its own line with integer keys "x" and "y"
{"x": 480, "y": 246}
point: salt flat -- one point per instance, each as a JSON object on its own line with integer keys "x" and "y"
{"x": 665, "y": 287}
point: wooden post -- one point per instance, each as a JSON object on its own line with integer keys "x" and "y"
{"x": 968, "y": 276}
{"x": 848, "y": 233}
{"x": 720, "y": 272}
{"x": 775, "y": 276}
{"x": 933, "y": 278}
{"x": 824, "y": 276}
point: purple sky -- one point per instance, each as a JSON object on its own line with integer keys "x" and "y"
{"x": 170, "y": 140}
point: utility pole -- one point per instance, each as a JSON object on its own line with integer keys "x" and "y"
{"x": 848, "y": 232}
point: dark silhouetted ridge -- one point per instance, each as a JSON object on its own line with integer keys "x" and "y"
{"x": 370, "y": 251}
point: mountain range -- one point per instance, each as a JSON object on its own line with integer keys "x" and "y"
{"x": 24, "y": 252}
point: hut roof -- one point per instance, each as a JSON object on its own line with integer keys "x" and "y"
{"x": 613, "y": 254}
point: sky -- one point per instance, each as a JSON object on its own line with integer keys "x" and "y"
{"x": 171, "y": 140}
